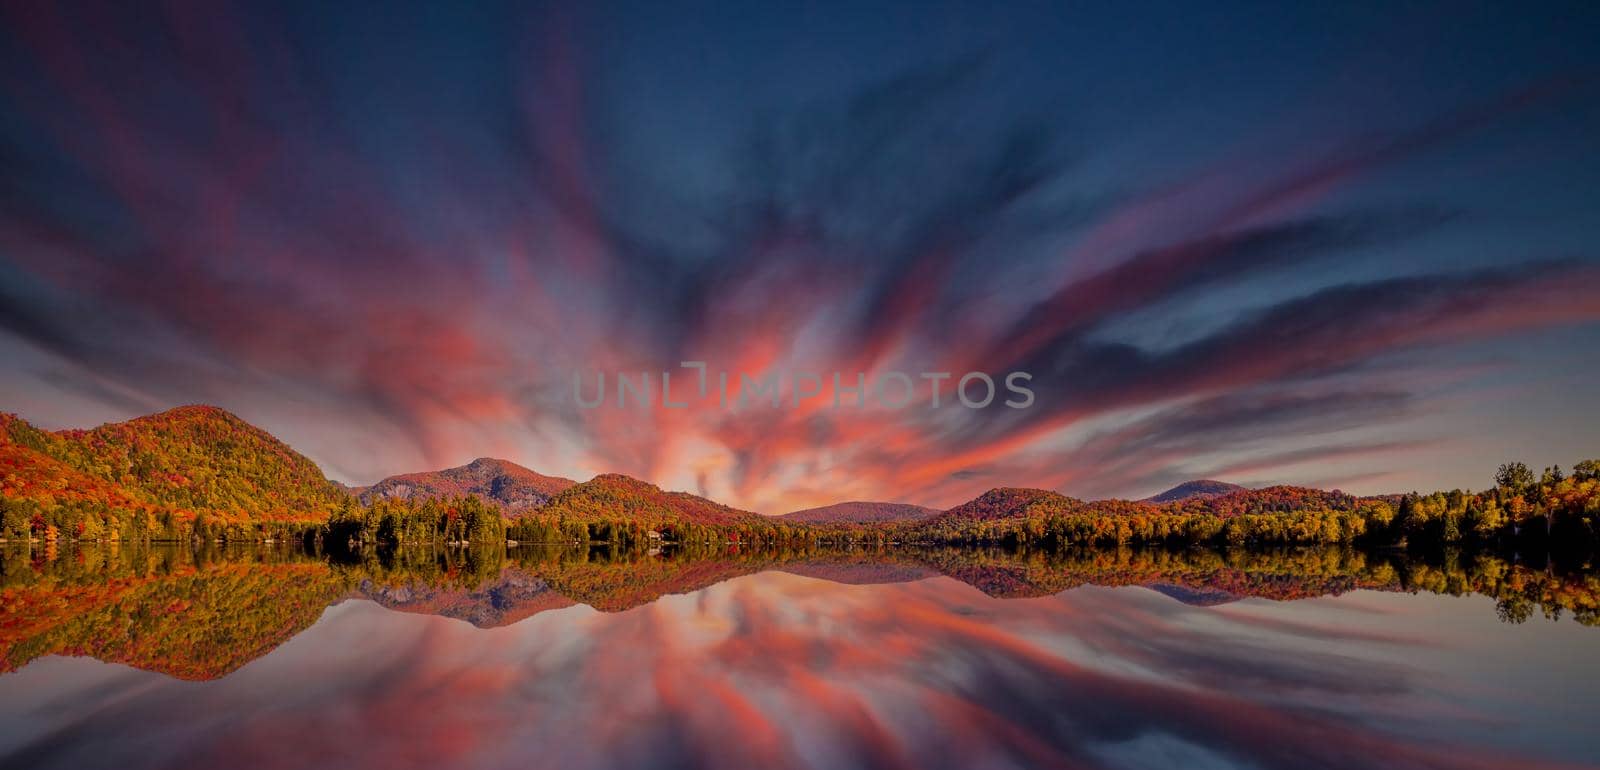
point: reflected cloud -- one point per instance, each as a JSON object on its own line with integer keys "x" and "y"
{"x": 736, "y": 660}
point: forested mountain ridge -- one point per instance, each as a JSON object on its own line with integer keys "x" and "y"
{"x": 159, "y": 473}
{"x": 38, "y": 491}
{"x": 614, "y": 507}
{"x": 200, "y": 473}
{"x": 1555, "y": 509}
{"x": 858, "y": 512}
{"x": 1011, "y": 502}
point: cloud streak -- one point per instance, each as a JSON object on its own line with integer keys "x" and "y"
{"x": 217, "y": 205}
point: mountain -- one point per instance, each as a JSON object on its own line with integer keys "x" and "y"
{"x": 613, "y": 496}
{"x": 1278, "y": 499}
{"x": 176, "y": 465}
{"x": 1212, "y": 498}
{"x": 1202, "y": 488}
{"x": 510, "y": 597}
{"x": 1008, "y": 502}
{"x": 856, "y": 512}
{"x": 34, "y": 479}
{"x": 187, "y": 618}
{"x": 1194, "y": 596}
{"x": 859, "y": 570}
{"x": 502, "y": 482}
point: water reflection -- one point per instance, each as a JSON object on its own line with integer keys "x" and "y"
{"x": 578, "y": 658}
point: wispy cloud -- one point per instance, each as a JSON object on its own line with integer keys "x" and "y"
{"x": 216, "y": 205}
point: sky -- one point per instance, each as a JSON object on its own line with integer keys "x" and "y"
{"x": 1349, "y": 247}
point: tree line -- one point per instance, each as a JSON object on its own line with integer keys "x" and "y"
{"x": 1553, "y": 508}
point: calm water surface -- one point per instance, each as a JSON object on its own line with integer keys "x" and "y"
{"x": 801, "y": 665}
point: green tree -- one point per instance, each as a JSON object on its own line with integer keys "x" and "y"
{"x": 1588, "y": 470}
{"x": 1514, "y": 477}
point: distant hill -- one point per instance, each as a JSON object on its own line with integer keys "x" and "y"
{"x": 1278, "y": 499}
{"x": 501, "y": 482}
{"x": 1202, "y": 488}
{"x": 1008, "y": 502}
{"x": 990, "y": 514}
{"x": 512, "y": 596}
{"x": 184, "y": 461}
{"x": 1194, "y": 596}
{"x": 856, "y": 512}
{"x": 612, "y": 496}
{"x": 862, "y": 571}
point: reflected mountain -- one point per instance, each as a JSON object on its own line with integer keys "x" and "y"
{"x": 202, "y": 614}
{"x": 513, "y": 596}
{"x": 160, "y": 611}
{"x": 1194, "y": 597}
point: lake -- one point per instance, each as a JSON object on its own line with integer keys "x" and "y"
{"x": 583, "y": 658}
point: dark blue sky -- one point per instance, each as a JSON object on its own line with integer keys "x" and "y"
{"x": 1351, "y": 245}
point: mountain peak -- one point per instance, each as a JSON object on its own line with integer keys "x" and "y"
{"x": 646, "y": 503}
{"x": 624, "y": 480}
{"x": 501, "y": 482}
{"x": 1198, "y": 488}
{"x": 190, "y": 414}
{"x": 195, "y": 410}
{"x": 1005, "y": 502}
